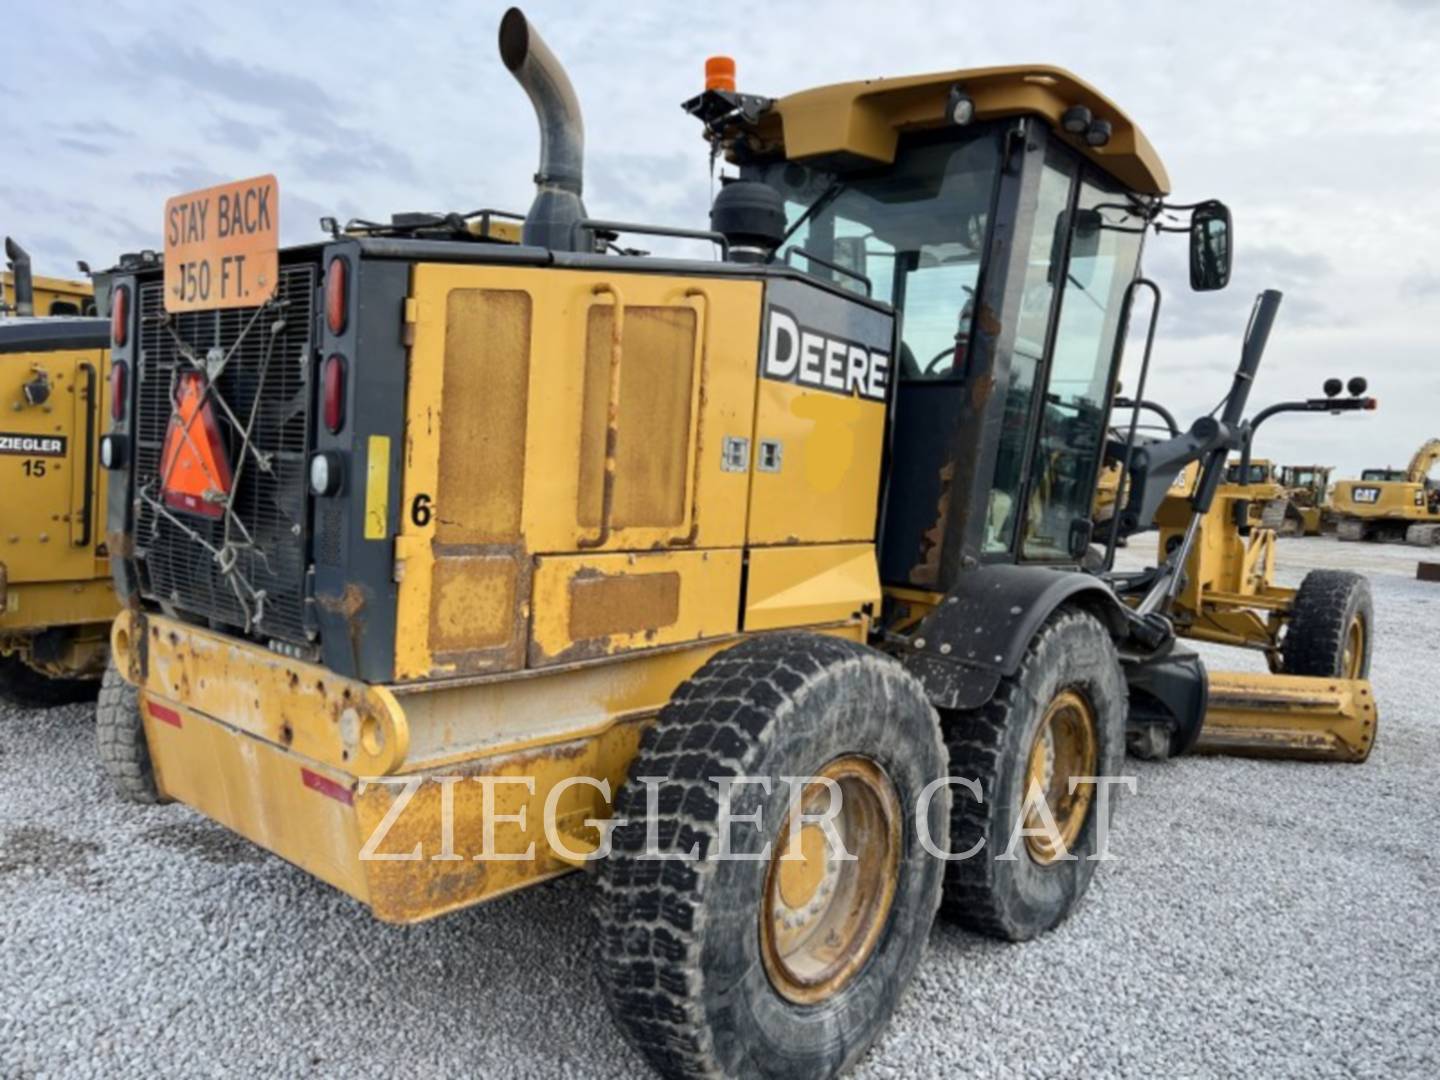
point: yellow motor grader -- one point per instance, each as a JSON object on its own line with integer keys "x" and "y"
{"x": 451, "y": 566}
{"x": 56, "y": 598}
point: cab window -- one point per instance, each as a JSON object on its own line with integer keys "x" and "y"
{"x": 916, "y": 231}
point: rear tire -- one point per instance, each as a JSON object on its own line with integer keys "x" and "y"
{"x": 691, "y": 974}
{"x": 1331, "y": 627}
{"x": 120, "y": 739}
{"x": 1020, "y": 898}
{"x": 22, "y": 685}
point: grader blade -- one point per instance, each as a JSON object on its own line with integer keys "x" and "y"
{"x": 1298, "y": 717}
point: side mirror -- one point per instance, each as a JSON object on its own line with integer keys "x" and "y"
{"x": 1210, "y": 246}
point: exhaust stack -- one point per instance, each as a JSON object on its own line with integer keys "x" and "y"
{"x": 560, "y": 178}
{"x": 24, "y": 283}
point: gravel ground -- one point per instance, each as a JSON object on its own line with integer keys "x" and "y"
{"x": 1263, "y": 918}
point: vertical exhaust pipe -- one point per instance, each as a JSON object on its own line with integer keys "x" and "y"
{"x": 24, "y": 283}
{"x": 560, "y": 178}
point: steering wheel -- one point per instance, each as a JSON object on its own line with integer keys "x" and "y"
{"x": 930, "y": 365}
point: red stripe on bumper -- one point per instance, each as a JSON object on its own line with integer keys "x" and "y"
{"x": 164, "y": 715}
{"x": 325, "y": 786}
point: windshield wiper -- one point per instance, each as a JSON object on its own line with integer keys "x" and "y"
{"x": 825, "y": 198}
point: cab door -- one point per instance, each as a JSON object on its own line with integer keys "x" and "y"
{"x": 1100, "y": 261}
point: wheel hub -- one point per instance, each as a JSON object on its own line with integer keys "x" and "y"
{"x": 1352, "y": 662}
{"x": 1065, "y": 745}
{"x": 828, "y": 892}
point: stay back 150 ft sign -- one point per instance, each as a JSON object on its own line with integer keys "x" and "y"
{"x": 222, "y": 246}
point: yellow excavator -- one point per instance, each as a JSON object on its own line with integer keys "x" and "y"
{"x": 1392, "y": 505}
{"x": 451, "y": 566}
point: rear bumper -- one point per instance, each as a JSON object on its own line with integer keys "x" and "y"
{"x": 385, "y": 840}
{"x": 405, "y": 798}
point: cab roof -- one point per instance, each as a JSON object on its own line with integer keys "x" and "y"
{"x": 849, "y": 125}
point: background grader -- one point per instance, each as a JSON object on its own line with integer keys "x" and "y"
{"x": 56, "y": 599}
{"x": 1308, "y": 510}
{"x": 437, "y": 551}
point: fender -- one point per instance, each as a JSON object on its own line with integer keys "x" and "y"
{"x": 979, "y": 633}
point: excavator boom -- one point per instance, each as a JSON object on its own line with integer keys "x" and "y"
{"x": 1423, "y": 461}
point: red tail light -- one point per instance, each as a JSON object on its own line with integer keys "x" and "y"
{"x": 120, "y": 315}
{"x": 333, "y": 393}
{"x": 337, "y": 294}
{"x": 117, "y": 390}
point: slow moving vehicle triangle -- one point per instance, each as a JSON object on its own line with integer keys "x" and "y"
{"x": 194, "y": 469}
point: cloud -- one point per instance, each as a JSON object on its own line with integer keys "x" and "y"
{"x": 99, "y": 129}
{"x": 294, "y": 98}
{"x": 1297, "y": 274}
{"x": 229, "y": 131}
{"x": 1422, "y": 284}
{"x": 83, "y": 146}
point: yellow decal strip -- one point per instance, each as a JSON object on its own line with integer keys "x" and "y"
{"x": 377, "y": 487}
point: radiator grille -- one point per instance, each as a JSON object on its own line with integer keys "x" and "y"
{"x": 268, "y": 536}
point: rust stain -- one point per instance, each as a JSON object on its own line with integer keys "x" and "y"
{"x": 350, "y": 606}
{"x": 121, "y": 545}
{"x": 927, "y": 571}
{"x": 622, "y": 604}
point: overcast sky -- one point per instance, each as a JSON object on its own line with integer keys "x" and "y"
{"x": 1318, "y": 122}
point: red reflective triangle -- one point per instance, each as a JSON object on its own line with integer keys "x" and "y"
{"x": 194, "y": 468}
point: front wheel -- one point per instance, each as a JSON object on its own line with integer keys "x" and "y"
{"x": 1060, "y": 717}
{"x": 774, "y": 952}
{"x": 1329, "y": 634}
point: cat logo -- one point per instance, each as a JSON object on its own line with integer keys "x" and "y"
{"x": 1366, "y": 494}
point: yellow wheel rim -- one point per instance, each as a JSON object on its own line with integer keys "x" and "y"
{"x": 1064, "y": 746}
{"x": 822, "y": 914}
{"x": 1352, "y": 662}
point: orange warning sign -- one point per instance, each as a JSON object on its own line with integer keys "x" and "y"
{"x": 194, "y": 469}
{"x": 222, "y": 246}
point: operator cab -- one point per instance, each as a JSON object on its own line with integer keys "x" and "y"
{"x": 1007, "y": 232}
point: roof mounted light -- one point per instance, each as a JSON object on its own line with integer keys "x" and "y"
{"x": 1357, "y": 386}
{"x": 720, "y": 74}
{"x": 1076, "y": 120}
{"x": 959, "y": 106}
{"x": 1333, "y": 387}
{"x": 1098, "y": 133}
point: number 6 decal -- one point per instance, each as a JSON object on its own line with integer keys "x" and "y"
{"x": 420, "y": 512}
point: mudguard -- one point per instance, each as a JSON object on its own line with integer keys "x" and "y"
{"x": 979, "y": 633}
